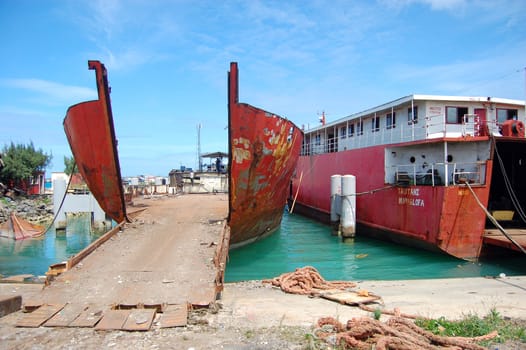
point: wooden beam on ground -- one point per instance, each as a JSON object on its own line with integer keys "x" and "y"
{"x": 10, "y": 304}
{"x": 94, "y": 245}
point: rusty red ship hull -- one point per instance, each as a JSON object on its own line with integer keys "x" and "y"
{"x": 264, "y": 149}
{"x": 431, "y": 191}
{"x": 91, "y": 136}
{"x": 18, "y": 228}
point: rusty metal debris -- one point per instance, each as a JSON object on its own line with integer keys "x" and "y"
{"x": 139, "y": 317}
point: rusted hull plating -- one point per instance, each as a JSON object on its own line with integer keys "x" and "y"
{"x": 91, "y": 136}
{"x": 264, "y": 149}
{"x": 442, "y": 218}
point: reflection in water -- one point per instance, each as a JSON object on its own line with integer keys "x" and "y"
{"x": 34, "y": 256}
{"x": 303, "y": 242}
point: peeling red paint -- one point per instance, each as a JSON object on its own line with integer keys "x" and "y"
{"x": 91, "y": 136}
{"x": 264, "y": 149}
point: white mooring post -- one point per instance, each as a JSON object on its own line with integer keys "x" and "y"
{"x": 336, "y": 191}
{"x": 348, "y": 206}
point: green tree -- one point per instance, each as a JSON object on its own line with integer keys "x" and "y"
{"x": 21, "y": 162}
{"x": 70, "y": 165}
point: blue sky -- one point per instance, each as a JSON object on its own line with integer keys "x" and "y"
{"x": 167, "y": 64}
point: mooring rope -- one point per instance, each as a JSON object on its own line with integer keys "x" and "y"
{"x": 306, "y": 281}
{"x": 373, "y": 191}
{"x": 493, "y": 220}
{"x": 296, "y": 195}
{"x": 396, "y": 333}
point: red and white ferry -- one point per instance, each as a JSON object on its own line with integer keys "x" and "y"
{"x": 428, "y": 171}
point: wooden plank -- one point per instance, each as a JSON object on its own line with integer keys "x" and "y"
{"x": 10, "y": 304}
{"x": 65, "y": 316}
{"x": 88, "y": 318}
{"x": 174, "y": 316}
{"x": 350, "y": 297}
{"x": 113, "y": 320}
{"x": 139, "y": 320}
{"x": 39, "y": 316}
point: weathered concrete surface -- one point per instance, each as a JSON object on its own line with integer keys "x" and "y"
{"x": 257, "y": 304}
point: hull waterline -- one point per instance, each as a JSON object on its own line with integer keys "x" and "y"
{"x": 264, "y": 149}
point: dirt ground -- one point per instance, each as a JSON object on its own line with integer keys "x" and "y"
{"x": 165, "y": 257}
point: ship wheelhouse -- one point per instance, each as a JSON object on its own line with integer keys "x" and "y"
{"x": 425, "y": 136}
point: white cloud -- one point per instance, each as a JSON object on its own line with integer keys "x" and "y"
{"x": 434, "y": 4}
{"x": 444, "y": 4}
{"x": 53, "y": 92}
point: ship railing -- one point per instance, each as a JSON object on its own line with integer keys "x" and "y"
{"x": 331, "y": 139}
{"x": 436, "y": 174}
{"x": 322, "y": 143}
{"x": 472, "y": 173}
{"x": 408, "y": 175}
{"x": 471, "y": 125}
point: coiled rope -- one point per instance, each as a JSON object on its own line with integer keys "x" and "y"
{"x": 306, "y": 281}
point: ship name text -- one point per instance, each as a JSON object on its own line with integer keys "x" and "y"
{"x": 409, "y": 196}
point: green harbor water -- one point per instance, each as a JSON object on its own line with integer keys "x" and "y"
{"x": 34, "y": 256}
{"x": 303, "y": 242}
{"x": 299, "y": 242}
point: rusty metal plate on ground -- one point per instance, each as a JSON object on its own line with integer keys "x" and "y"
{"x": 139, "y": 320}
{"x": 113, "y": 320}
{"x": 174, "y": 316}
{"x": 88, "y": 318}
{"x": 39, "y": 316}
{"x": 204, "y": 296}
{"x": 159, "y": 307}
{"x": 65, "y": 316}
{"x": 349, "y": 297}
{"x": 31, "y": 305}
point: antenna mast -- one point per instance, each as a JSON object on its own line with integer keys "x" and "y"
{"x": 199, "y": 161}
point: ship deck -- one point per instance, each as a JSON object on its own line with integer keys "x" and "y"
{"x": 493, "y": 237}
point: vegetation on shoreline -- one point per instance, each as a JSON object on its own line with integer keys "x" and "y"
{"x": 511, "y": 332}
{"x": 474, "y": 326}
